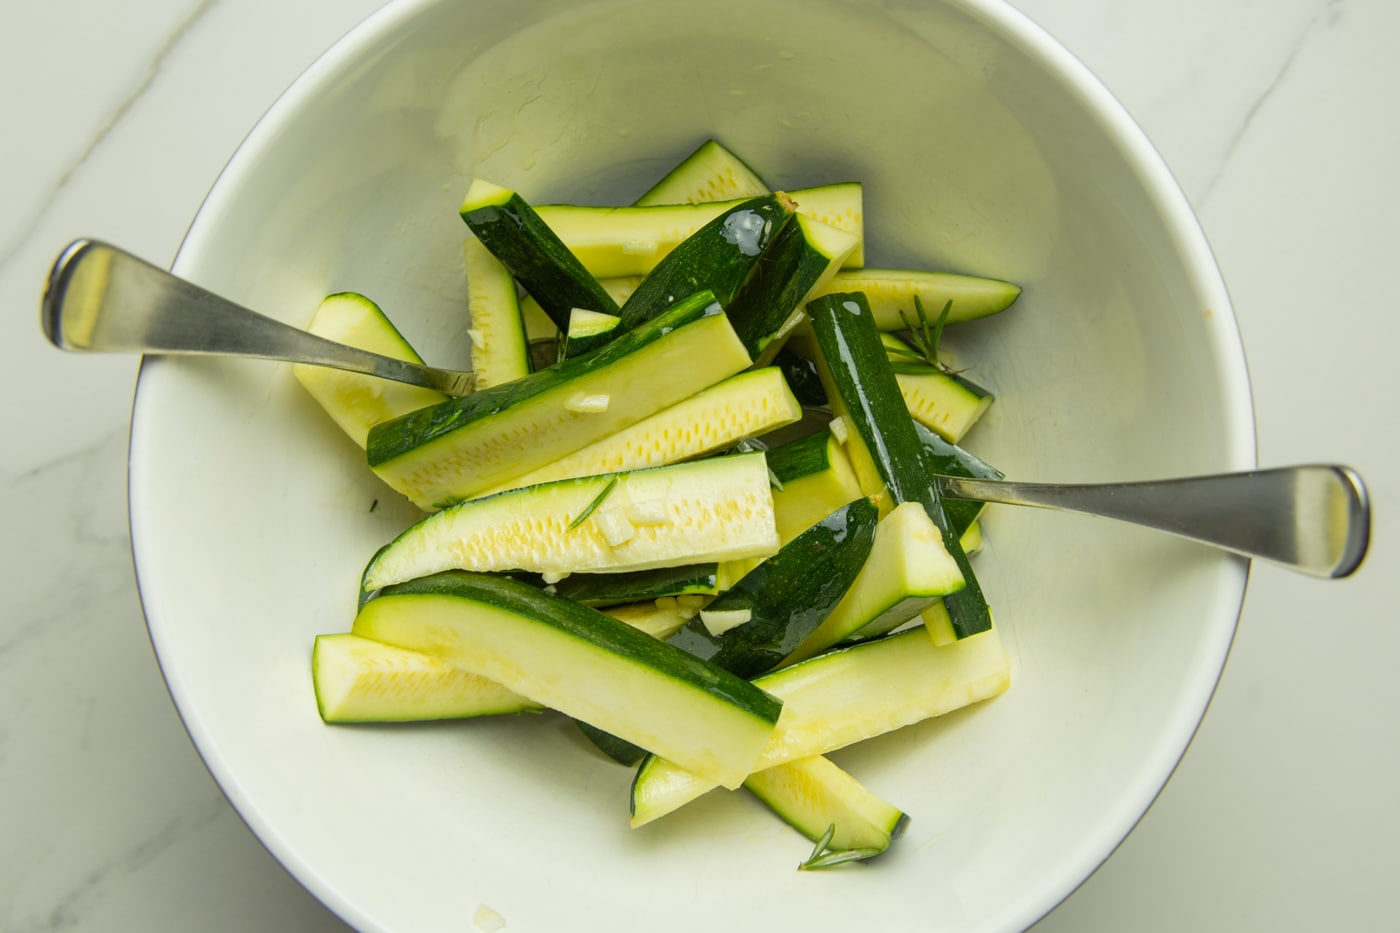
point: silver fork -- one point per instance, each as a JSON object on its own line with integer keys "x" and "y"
{"x": 103, "y": 299}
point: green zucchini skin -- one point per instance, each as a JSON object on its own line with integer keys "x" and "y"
{"x": 951, "y": 460}
{"x": 611, "y": 589}
{"x": 856, "y": 370}
{"x": 802, "y": 377}
{"x": 718, "y": 257}
{"x": 512, "y": 231}
{"x": 797, "y": 263}
{"x": 801, "y": 457}
{"x": 619, "y": 750}
{"x": 789, "y": 594}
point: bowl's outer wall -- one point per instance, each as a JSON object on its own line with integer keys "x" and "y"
{"x": 984, "y": 148}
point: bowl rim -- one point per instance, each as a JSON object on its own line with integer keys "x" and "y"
{"x": 1159, "y": 185}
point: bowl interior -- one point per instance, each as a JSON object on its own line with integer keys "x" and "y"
{"x": 983, "y": 148}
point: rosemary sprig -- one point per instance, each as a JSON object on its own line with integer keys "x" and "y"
{"x": 925, "y": 336}
{"x": 824, "y": 857}
{"x": 593, "y": 506}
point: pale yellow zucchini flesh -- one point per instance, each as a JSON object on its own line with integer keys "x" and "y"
{"x": 813, "y": 795}
{"x": 500, "y": 351}
{"x": 891, "y": 292}
{"x": 941, "y": 402}
{"x": 359, "y": 680}
{"x": 354, "y": 401}
{"x": 747, "y": 405}
{"x": 708, "y": 510}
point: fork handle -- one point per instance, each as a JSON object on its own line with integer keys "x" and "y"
{"x": 1315, "y": 519}
{"x": 100, "y": 298}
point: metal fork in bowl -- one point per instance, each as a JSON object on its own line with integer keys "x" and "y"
{"x": 103, "y": 299}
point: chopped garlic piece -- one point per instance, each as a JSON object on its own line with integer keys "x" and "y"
{"x": 588, "y": 403}
{"x": 648, "y": 512}
{"x": 615, "y": 527}
{"x": 551, "y": 577}
{"x": 487, "y": 920}
{"x": 720, "y": 621}
{"x": 478, "y": 338}
{"x": 838, "y": 429}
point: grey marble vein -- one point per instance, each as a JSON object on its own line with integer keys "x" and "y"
{"x": 71, "y": 907}
{"x": 79, "y": 539}
{"x": 148, "y": 78}
{"x": 1327, "y": 17}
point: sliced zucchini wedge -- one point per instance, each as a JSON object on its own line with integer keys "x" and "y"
{"x": 359, "y": 680}
{"x": 354, "y": 401}
{"x": 890, "y": 294}
{"x": 707, "y": 510}
{"x": 718, "y": 257}
{"x": 710, "y": 173}
{"x": 583, "y": 663}
{"x": 908, "y": 570}
{"x": 514, "y": 233}
{"x": 623, "y": 241}
{"x": 813, "y": 795}
{"x": 538, "y": 326}
{"x": 843, "y": 697}
{"x": 746, "y": 405}
{"x": 500, "y": 351}
{"x": 883, "y": 443}
{"x": 944, "y": 402}
{"x": 465, "y": 446}
{"x": 783, "y": 600}
{"x": 814, "y": 478}
{"x": 588, "y": 330}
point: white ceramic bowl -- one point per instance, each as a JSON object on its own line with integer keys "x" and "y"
{"x": 984, "y": 147}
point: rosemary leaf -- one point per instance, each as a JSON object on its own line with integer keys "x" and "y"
{"x": 593, "y": 506}
{"x": 823, "y": 857}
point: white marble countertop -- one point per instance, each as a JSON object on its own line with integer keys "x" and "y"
{"x": 1280, "y": 120}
